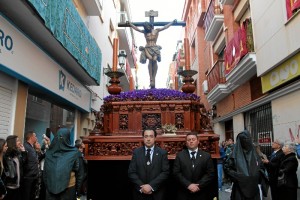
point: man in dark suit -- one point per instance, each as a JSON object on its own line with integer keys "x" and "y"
{"x": 272, "y": 164}
{"x": 195, "y": 174}
{"x": 149, "y": 169}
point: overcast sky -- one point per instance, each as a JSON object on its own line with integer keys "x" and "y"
{"x": 168, "y": 10}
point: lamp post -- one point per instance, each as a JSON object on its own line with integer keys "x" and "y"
{"x": 122, "y": 58}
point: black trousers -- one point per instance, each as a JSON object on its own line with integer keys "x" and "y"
{"x": 28, "y": 188}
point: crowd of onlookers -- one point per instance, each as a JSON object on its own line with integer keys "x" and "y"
{"x": 252, "y": 173}
{"x": 54, "y": 170}
{"x": 57, "y": 168}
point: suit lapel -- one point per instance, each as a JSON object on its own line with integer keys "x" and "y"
{"x": 198, "y": 158}
{"x": 187, "y": 158}
{"x": 143, "y": 157}
{"x": 154, "y": 156}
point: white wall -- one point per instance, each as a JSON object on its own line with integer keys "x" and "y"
{"x": 100, "y": 31}
{"x": 286, "y": 118}
{"x": 219, "y": 128}
{"x": 275, "y": 37}
{"x": 238, "y": 124}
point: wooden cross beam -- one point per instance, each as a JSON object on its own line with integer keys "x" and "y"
{"x": 151, "y": 14}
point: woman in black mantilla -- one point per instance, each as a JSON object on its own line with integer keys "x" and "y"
{"x": 288, "y": 168}
{"x": 243, "y": 168}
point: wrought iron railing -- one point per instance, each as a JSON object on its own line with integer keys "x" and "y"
{"x": 216, "y": 75}
{"x": 209, "y": 14}
{"x": 213, "y": 9}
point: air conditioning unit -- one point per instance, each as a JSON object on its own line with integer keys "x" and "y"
{"x": 205, "y": 87}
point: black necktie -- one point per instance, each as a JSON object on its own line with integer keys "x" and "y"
{"x": 148, "y": 157}
{"x": 193, "y": 158}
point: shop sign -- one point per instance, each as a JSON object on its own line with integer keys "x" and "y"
{"x": 6, "y": 41}
{"x": 281, "y": 74}
{"x": 71, "y": 86}
{"x": 264, "y": 138}
{"x": 25, "y": 60}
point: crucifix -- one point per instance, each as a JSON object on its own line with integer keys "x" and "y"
{"x": 151, "y": 51}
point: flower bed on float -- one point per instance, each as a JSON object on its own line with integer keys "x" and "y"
{"x": 151, "y": 95}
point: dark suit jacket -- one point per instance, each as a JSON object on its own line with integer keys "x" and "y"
{"x": 202, "y": 174}
{"x": 156, "y": 174}
{"x": 273, "y": 167}
{"x": 289, "y": 166}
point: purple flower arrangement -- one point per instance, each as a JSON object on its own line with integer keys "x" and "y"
{"x": 151, "y": 95}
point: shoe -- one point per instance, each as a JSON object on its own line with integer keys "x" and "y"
{"x": 228, "y": 190}
{"x": 220, "y": 189}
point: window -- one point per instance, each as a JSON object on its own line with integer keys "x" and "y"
{"x": 258, "y": 122}
{"x": 42, "y": 114}
{"x": 36, "y": 99}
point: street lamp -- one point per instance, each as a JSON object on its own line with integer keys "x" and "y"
{"x": 122, "y": 58}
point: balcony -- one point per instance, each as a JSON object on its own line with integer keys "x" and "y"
{"x": 227, "y": 2}
{"x": 93, "y": 7}
{"x": 243, "y": 71}
{"x": 125, "y": 39}
{"x": 69, "y": 44}
{"x": 238, "y": 47}
{"x": 213, "y": 21}
{"x": 238, "y": 68}
{"x": 217, "y": 86}
{"x": 240, "y": 8}
{"x": 222, "y": 87}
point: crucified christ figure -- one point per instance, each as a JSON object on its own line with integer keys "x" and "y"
{"x": 151, "y": 51}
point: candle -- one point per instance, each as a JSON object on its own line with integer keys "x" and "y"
{"x": 131, "y": 84}
{"x": 187, "y": 54}
{"x": 176, "y": 82}
{"x": 115, "y": 54}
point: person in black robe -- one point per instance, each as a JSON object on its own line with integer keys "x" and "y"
{"x": 243, "y": 168}
{"x": 62, "y": 174}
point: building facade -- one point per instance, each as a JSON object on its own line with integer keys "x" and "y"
{"x": 53, "y": 59}
{"x": 246, "y": 55}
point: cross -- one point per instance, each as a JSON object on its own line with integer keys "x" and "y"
{"x": 151, "y": 51}
{"x": 151, "y": 14}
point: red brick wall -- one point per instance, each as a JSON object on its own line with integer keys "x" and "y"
{"x": 237, "y": 99}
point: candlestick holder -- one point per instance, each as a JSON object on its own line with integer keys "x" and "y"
{"x": 114, "y": 88}
{"x": 188, "y": 86}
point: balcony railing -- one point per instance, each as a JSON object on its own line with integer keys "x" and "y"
{"x": 227, "y": 2}
{"x": 126, "y": 38}
{"x": 239, "y": 46}
{"x": 239, "y": 65}
{"x": 213, "y": 20}
{"x": 93, "y": 7}
{"x": 216, "y": 75}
